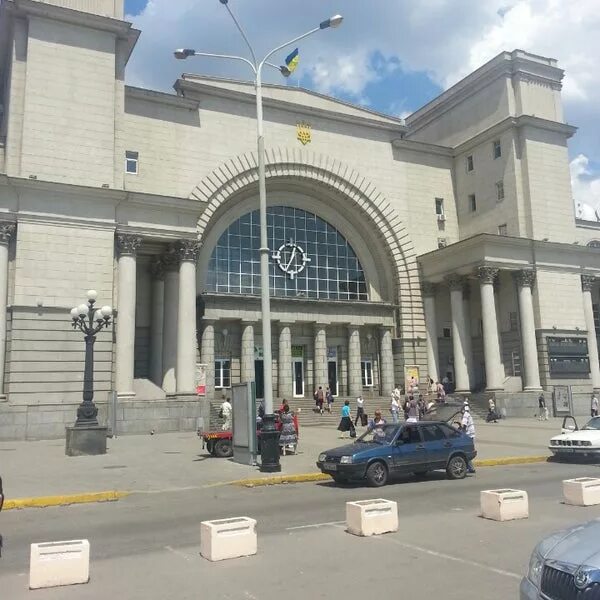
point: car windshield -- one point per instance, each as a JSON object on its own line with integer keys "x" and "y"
{"x": 382, "y": 434}
{"x": 593, "y": 425}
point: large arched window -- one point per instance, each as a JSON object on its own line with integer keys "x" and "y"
{"x": 309, "y": 258}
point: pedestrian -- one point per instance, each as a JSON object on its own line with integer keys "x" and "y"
{"x": 421, "y": 406}
{"x": 543, "y": 416}
{"x": 360, "y": 410}
{"x": 396, "y": 393}
{"x": 319, "y": 398}
{"x": 491, "y": 416}
{"x": 225, "y": 414}
{"x": 329, "y": 398}
{"x": 413, "y": 411}
{"x": 441, "y": 392}
{"x": 377, "y": 425}
{"x": 282, "y": 406}
{"x": 594, "y": 404}
{"x": 468, "y": 427}
{"x": 465, "y": 406}
{"x": 288, "y": 435}
{"x": 406, "y": 407}
{"x": 395, "y": 409}
{"x": 346, "y": 422}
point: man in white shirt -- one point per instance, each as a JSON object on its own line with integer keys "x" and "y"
{"x": 468, "y": 427}
{"x": 594, "y": 404}
{"x": 360, "y": 409}
{"x": 225, "y": 413}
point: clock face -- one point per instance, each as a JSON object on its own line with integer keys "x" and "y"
{"x": 291, "y": 259}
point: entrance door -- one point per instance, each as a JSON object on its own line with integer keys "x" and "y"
{"x": 332, "y": 373}
{"x": 298, "y": 371}
{"x": 259, "y": 378}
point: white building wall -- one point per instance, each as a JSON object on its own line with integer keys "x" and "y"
{"x": 104, "y": 8}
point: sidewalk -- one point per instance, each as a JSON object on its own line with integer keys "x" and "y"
{"x": 176, "y": 461}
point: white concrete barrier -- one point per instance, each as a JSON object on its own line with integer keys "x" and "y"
{"x": 371, "y": 517}
{"x": 228, "y": 538}
{"x": 56, "y": 564}
{"x": 504, "y": 505}
{"x": 583, "y": 491}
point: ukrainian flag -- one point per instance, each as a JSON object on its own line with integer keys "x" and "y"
{"x": 291, "y": 62}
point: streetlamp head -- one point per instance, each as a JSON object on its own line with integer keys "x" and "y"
{"x": 223, "y": 1}
{"x": 183, "y": 53}
{"x": 92, "y": 295}
{"x": 75, "y": 314}
{"x": 334, "y": 22}
{"x": 82, "y": 309}
{"x": 106, "y": 312}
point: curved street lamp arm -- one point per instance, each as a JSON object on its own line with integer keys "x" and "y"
{"x": 241, "y": 30}
{"x": 278, "y": 69}
{"x": 230, "y": 57}
{"x": 300, "y": 37}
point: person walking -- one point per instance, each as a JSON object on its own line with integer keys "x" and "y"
{"x": 468, "y": 426}
{"x": 377, "y": 426}
{"x": 441, "y": 392}
{"x": 413, "y": 411}
{"x": 594, "y": 404}
{"x": 346, "y": 422}
{"x": 288, "y": 436}
{"x": 225, "y": 414}
{"x": 329, "y": 398}
{"x": 319, "y": 398}
{"x": 543, "y": 416}
{"x": 360, "y": 410}
{"x": 491, "y": 416}
{"x": 395, "y": 409}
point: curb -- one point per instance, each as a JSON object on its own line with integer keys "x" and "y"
{"x": 313, "y": 477}
{"x": 63, "y": 500}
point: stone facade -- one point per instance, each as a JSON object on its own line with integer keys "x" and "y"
{"x": 456, "y": 230}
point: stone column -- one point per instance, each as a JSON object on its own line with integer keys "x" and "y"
{"x": 429, "y": 291}
{"x": 187, "y": 251}
{"x": 127, "y": 246}
{"x": 354, "y": 375}
{"x": 321, "y": 376}
{"x": 207, "y": 354}
{"x": 468, "y": 334}
{"x": 491, "y": 341}
{"x": 157, "y": 271}
{"x": 169, "y": 353}
{"x": 247, "y": 352}
{"x": 587, "y": 282}
{"x": 461, "y": 371}
{"x": 286, "y": 384}
{"x": 531, "y": 369}
{"x": 6, "y": 232}
{"x": 387, "y": 363}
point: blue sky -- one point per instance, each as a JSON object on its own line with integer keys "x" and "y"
{"x": 389, "y": 56}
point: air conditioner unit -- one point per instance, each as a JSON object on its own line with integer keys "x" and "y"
{"x": 441, "y": 217}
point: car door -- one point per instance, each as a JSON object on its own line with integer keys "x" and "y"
{"x": 409, "y": 452}
{"x": 437, "y": 445}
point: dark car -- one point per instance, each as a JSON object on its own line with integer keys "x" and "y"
{"x": 565, "y": 565}
{"x": 398, "y": 450}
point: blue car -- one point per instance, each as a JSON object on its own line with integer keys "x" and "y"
{"x": 399, "y": 450}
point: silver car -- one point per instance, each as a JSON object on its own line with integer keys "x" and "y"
{"x": 565, "y": 566}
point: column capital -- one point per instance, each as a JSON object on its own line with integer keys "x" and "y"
{"x": 6, "y": 232}
{"x": 428, "y": 288}
{"x": 455, "y": 281}
{"x": 525, "y": 277}
{"x": 320, "y": 324}
{"x": 587, "y": 282}
{"x": 157, "y": 269}
{"x": 187, "y": 250}
{"x": 127, "y": 244}
{"x": 487, "y": 274}
{"x": 169, "y": 260}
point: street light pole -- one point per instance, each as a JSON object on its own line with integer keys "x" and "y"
{"x": 269, "y": 435}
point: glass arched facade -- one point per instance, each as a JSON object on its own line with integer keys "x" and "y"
{"x": 308, "y": 258}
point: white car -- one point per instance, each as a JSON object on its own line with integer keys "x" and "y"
{"x": 574, "y": 442}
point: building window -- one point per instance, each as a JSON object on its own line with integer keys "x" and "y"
{"x": 131, "y": 162}
{"x": 595, "y": 308}
{"x": 512, "y": 321}
{"x": 222, "y": 373}
{"x": 309, "y": 258}
{"x": 447, "y": 332}
{"x": 472, "y": 203}
{"x": 499, "y": 191}
{"x": 502, "y": 229}
{"x": 497, "y": 149}
{"x": 366, "y": 369}
{"x": 470, "y": 163}
{"x": 439, "y": 207}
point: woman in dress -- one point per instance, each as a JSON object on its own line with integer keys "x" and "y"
{"x": 288, "y": 435}
{"x": 346, "y": 422}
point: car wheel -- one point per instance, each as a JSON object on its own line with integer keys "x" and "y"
{"x": 223, "y": 449}
{"x": 377, "y": 474}
{"x": 457, "y": 468}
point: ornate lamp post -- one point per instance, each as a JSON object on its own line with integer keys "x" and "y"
{"x": 87, "y": 437}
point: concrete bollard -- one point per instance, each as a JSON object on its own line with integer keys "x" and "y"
{"x": 583, "y": 491}
{"x": 371, "y": 517}
{"x": 504, "y": 505}
{"x": 56, "y": 564}
{"x": 228, "y": 538}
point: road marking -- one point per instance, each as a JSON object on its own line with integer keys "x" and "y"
{"x": 317, "y": 525}
{"x": 458, "y": 559}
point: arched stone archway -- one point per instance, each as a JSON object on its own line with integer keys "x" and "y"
{"x": 241, "y": 173}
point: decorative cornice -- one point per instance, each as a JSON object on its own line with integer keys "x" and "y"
{"x": 127, "y": 245}
{"x": 525, "y": 277}
{"x": 487, "y": 274}
{"x": 6, "y": 232}
{"x": 455, "y": 281}
{"x": 538, "y": 79}
{"x": 588, "y": 282}
{"x": 187, "y": 250}
{"x": 428, "y": 288}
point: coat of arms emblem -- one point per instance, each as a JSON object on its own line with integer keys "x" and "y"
{"x": 303, "y": 133}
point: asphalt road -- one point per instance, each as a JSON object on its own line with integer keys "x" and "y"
{"x": 147, "y": 546}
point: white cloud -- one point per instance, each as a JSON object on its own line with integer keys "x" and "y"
{"x": 586, "y": 187}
